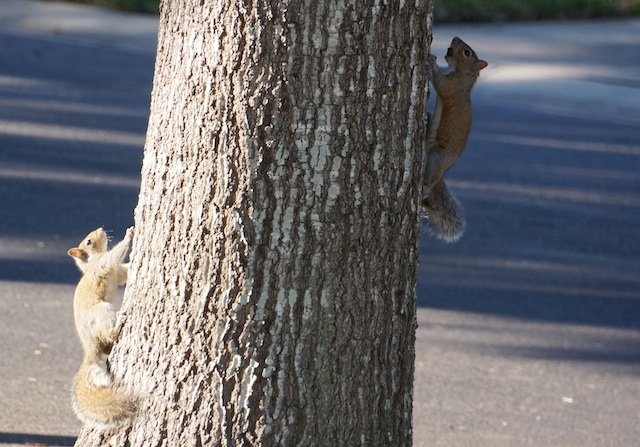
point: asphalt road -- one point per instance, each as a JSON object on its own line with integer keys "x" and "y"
{"x": 529, "y": 327}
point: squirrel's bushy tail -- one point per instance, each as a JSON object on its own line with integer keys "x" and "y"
{"x": 444, "y": 213}
{"x": 96, "y": 400}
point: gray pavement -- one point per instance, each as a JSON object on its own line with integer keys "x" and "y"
{"x": 529, "y": 326}
{"x": 80, "y": 23}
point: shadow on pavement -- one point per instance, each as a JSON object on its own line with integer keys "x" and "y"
{"x": 552, "y": 236}
{"x": 72, "y": 126}
{"x": 33, "y": 439}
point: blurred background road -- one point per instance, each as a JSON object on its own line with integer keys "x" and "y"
{"x": 529, "y": 327}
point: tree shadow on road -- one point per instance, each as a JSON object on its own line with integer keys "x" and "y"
{"x": 552, "y": 235}
{"x": 34, "y": 439}
{"x": 72, "y": 126}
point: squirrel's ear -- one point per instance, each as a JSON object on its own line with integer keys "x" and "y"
{"x": 78, "y": 254}
{"x": 479, "y": 65}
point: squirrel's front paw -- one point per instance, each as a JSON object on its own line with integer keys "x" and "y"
{"x": 431, "y": 60}
{"x": 129, "y": 233}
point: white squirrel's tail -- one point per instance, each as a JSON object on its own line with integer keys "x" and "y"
{"x": 444, "y": 213}
{"x": 96, "y": 400}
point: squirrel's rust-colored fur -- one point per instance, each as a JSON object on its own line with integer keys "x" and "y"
{"x": 447, "y": 134}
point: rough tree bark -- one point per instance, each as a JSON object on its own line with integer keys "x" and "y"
{"x": 271, "y": 298}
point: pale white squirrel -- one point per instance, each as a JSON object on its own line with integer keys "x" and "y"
{"x": 96, "y": 399}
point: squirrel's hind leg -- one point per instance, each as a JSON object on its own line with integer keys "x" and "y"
{"x": 437, "y": 165}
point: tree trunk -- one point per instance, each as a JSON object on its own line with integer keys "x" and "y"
{"x": 271, "y": 297}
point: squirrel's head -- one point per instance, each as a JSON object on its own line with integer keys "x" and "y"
{"x": 95, "y": 243}
{"x": 461, "y": 57}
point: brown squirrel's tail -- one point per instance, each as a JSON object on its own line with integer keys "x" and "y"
{"x": 444, "y": 213}
{"x": 96, "y": 400}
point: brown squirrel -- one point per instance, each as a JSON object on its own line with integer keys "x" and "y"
{"x": 447, "y": 134}
{"x": 95, "y": 398}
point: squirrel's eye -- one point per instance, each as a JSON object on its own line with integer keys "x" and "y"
{"x": 467, "y": 53}
{"x": 89, "y": 241}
